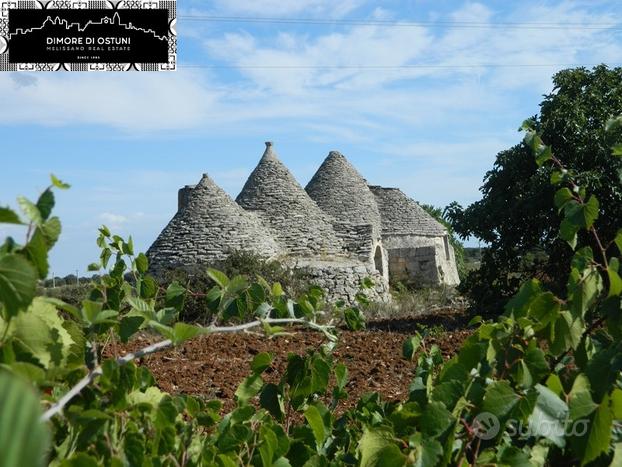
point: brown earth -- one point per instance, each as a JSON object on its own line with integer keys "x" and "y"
{"x": 214, "y": 365}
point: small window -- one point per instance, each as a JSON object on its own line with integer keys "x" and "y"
{"x": 446, "y": 242}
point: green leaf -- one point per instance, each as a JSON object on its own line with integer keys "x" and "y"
{"x": 40, "y": 332}
{"x": 511, "y": 456}
{"x": 615, "y": 282}
{"x": 499, "y": 398}
{"x": 58, "y": 184}
{"x": 270, "y": 400}
{"x": 591, "y": 445}
{"x": 142, "y": 263}
{"x": 429, "y": 451}
{"x": 519, "y": 304}
{"x": 555, "y": 384}
{"x": 568, "y": 231}
{"x": 618, "y": 241}
{"x": 580, "y": 400}
{"x": 37, "y": 252}
{"x": 18, "y": 283}
{"x": 341, "y": 375}
{"x": 30, "y": 210}
{"x": 567, "y": 333}
{"x": 23, "y": 436}
{"x": 105, "y": 317}
{"x": 219, "y": 277}
{"x": 129, "y": 326}
{"x": 277, "y": 290}
{"x": 51, "y": 229}
{"x": 562, "y": 196}
{"x": 248, "y": 389}
{"x": 355, "y": 321}
{"x": 549, "y": 416}
{"x": 8, "y": 216}
{"x": 182, "y": 332}
{"x": 435, "y": 419}
{"x": 226, "y": 461}
{"x": 377, "y": 449}
{"x": 545, "y": 309}
{"x": 410, "y": 347}
{"x": 582, "y": 215}
{"x": 533, "y": 367}
{"x": 148, "y": 287}
{"x": 543, "y": 154}
{"x": 261, "y": 362}
{"x": 45, "y": 203}
{"x": 105, "y": 231}
{"x": 268, "y": 445}
{"x": 314, "y": 418}
{"x": 617, "y": 150}
{"x": 616, "y": 403}
{"x": 175, "y": 296}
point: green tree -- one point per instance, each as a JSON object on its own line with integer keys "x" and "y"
{"x": 516, "y": 216}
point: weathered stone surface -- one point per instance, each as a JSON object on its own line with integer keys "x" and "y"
{"x": 208, "y": 226}
{"x": 417, "y": 244}
{"x": 340, "y": 190}
{"x": 296, "y": 221}
{"x": 340, "y": 231}
{"x": 342, "y": 280}
{"x": 402, "y": 215}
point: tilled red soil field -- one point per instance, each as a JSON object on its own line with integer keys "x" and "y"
{"x": 214, "y": 365}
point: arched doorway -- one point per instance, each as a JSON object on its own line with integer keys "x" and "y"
{"x": 378, "y": 260}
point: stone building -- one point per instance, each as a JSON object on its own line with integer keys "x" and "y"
{"x": 338, "y": 229}
{"x": 417, "y": 244}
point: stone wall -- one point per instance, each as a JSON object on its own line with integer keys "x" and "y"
{"x": 364, "y": 243}
{"x": 358, "y": 239}
{"x": 421, "y": 260}
{"x": 342, "y": 281}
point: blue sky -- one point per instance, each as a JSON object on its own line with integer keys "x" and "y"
{"x": 127, "y": 142}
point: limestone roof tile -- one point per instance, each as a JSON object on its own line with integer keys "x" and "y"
{"x": 341, "y": 191}
{"x": 401, "y": 215}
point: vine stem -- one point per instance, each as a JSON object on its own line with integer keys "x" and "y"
{"x": 57, "y": 407}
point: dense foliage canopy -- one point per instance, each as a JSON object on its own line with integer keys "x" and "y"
{"x": 516, "y": 216}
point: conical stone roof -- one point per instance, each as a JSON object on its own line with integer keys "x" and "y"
{"x": 402, "y": 215}
{"x": 208, "y": 227}
{"x": 296, "y": 221}
{"x": 340, "y": 190}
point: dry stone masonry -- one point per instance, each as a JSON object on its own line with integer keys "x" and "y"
{"x": 207, "y": 227}
{"x": 296, "y": 222}
{"x": 338, "y": 230}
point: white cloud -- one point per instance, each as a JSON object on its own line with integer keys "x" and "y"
{"x": 405, "y": 46}
{"x": 114, "y": 221}
{"x": 126, "y": 101}
{"x": 267, "y": 8}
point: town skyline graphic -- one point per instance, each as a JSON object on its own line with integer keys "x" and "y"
{"x": 115, "y": 20}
